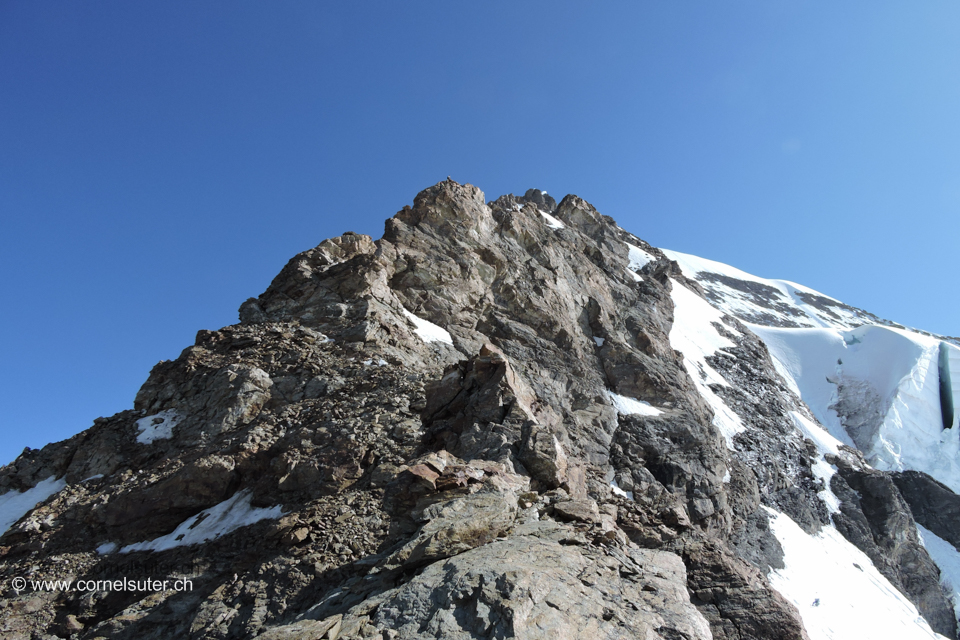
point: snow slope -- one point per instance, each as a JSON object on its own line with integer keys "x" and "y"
{"x": 948, "y": 559}
{"x": 694, "y": 335}
{"x": 838, "y": 591}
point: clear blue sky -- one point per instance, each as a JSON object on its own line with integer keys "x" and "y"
{"x": 161, "y": 161}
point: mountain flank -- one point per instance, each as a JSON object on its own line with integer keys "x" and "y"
{"x": 504, "y": 419}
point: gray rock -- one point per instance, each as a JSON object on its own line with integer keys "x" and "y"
{"x": 529, "y": 587}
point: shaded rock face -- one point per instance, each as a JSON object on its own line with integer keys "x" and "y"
{"x": 425, "y": 488}
{"x": 932, "y": 503}
{"x": 875, "y": 517}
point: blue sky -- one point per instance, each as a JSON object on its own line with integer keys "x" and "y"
{"x": 160, "y": 162}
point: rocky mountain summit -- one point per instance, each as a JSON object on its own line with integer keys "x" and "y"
{"x": 502, "y": 419}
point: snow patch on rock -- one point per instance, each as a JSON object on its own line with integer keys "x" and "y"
{"x": 157, "y": 427}
{"x": 16, "y": 504}
{"x": 631, "y": 406}
{"x": 638, "y": 257}
{"x": 620, "y": 492}
{"x": 106, "y": 547}
{"x": 821, "y": 468}
{"x": 552, "y": 222}
{"x": 209, "y": 524}
{"x": 428, "y": 331}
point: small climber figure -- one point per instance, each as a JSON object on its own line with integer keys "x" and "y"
{"x": 816, "y": 602}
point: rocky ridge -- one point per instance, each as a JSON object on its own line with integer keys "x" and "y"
{"x": 430, "y": 436}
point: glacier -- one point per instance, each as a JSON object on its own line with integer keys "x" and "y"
{"x": 875, "y": 387}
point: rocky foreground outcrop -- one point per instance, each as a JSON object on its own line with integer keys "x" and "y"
{"x": 425, "y": 436}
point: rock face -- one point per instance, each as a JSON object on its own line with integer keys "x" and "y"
{"x": 431, "y": 436}
{"x": 933, "y": 505}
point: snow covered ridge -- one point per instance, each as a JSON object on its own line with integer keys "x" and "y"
{"x": 776, "y": 303}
